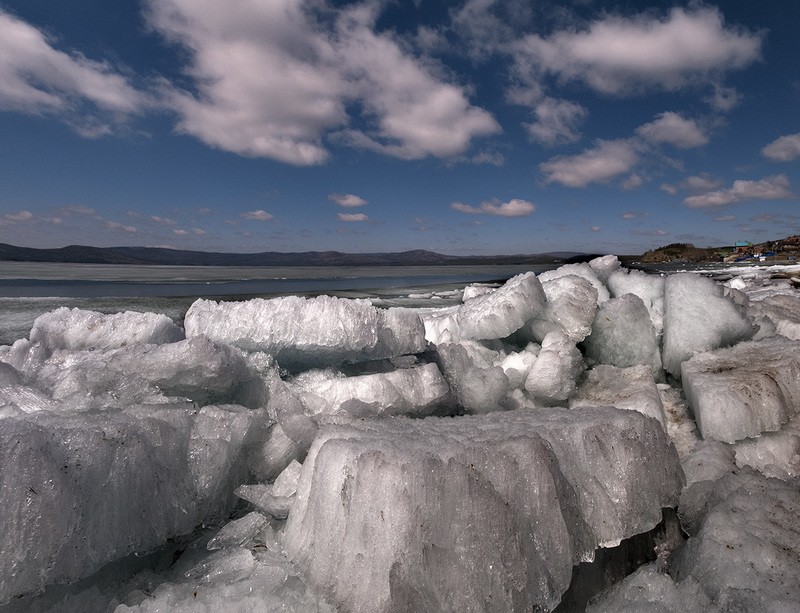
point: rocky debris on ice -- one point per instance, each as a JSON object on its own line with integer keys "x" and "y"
{"x": 76, "y": 329}
{"x": 458, "y": 513}
{"x": 624, "y": 388}
{"x": 304, "y": 333}
{"x": 698, "y": 318}
{"x": 744, "y": 390}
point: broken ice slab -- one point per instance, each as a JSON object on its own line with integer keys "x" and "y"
{"x": 745, "y": 551}
{"x": 570, "y": 309}
{"x": 631, "y": 388}
{"x": 492, "y": 315}
{"x": 552, "y": 378}
{"x": 784, "y": 312}
{"x": 744, "y": 390}
{"x": 650, "y": 288}
{"x": 475, "y": 376}
{"x": 77, "y": 329}
{"x": 698, "y": 318}
{"x": 304, "y": 333}
{"x": 263, "y": 498}
{"x": 445, "y": 513}
{"x": 406, "y": 391}
{"x": 239, "y": 532}
{"x": 622, "y": 335}
{"x": 581, "y": 270}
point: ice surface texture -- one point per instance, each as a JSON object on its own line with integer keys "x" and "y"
{"x": 307, "y": 332}
{"x": 744, "y": 390}
{"x": 485, "y": 512}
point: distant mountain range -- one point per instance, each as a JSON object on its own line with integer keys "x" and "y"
{"x": 80, "y": 254}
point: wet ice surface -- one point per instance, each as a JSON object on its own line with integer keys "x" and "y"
{"x": 331, "y": 454}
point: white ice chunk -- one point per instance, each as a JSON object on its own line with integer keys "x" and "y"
{"x": 286, "y": 483}
{"x": 452, "y": 514}
{"x": 553, "y": 376}
{"x": 650, "y": 288}
{"x": 775, "y": 454}
{"x": 78, "y": 329}
{"x": 238, "y": 533}
{"x": 264, "y": 499}
{"x": 631, "y": 388}
{"x": 80, "y": 490}
{"x": 745, "y": 552}
{"x": 605, "y": 266}
{"x": 784, "y": 311}
{"x": 476, "y": 289}
{"x": 517, "y": 364}
{"x": 744, "y": 390}
{"x": 570, "y": 308}
{"x": 15, "y": 393}
{"x": 649, "y": 591}
{"x": 623, "y": 335}
{"x": 405, "y": 391}
{"x": 708, "y": 461}
{"x": 698, "y": 318}
{"x": 268, "y": 459}
{"x": 474, "y": 375}
{"x": 307, "y": 332}
{"x": 488, "y": 316}
{"x": 581, "y": 270}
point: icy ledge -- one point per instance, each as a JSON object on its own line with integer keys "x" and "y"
{"x": 452, "y": 514}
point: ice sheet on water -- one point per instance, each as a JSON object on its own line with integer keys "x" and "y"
{"x": 698, "y": 318}
{"x": 417, "y": 390}
{"x": 744, "y": 390}
{"x": 307, "y": 332}
{"x": 631, "y": 388}
{"x": 445, "y": 513}
{"x": 622, "y": 335}
{"x": 79, "y": 329}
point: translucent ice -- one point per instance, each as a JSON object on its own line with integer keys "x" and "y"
{"x": 784, "y": 312}
{"x": 488, "y": 316}
{"x": 405, "y": 391}
{"x": 581, "y": 270}
{"x": 553, "y": 376}
{"x": 78, "y": 329}
{"x": 307, "y": 332}
{"x": 650, "y": 288}
{"x": 625, "y": 388}
{"x": 264, "y": 499}
{"x": 474, "y": 375}
{"x": 570, "y": 308}
{"x": 698, "y": 318}
{"x": 775, "y": 454}
{"x": 744, "y": 390}
{"x": 623, "y": 335}
{"x": 452, "y": 514}
{"x": 238, "y": 533}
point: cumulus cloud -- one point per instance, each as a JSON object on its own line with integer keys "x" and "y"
{"x": 37, "y": 78}
{"x": 668, "y": 188}
{"x": 608, "y": 159}
{"x": 272, "y": 78}
{"x": 771, "y": 188}
{"x": 556, "y": 122}
{"x": 634, "y": 181}
{"x": 784, "y": 149}
{"x": 18, "y": 216}
{"x": 623, "y": 55}
{"x": 351, "y": 217}
{"x": 115, "y": 225}
{"x": 700, "y": 183}
{"x": 513, "y": 208}
{"x": 347, "y": 200}
{"x": 257, "y": 215}
{"x": 673, "y": 129}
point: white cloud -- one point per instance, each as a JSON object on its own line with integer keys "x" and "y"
{"x": 725, "y": 218}
{"x": 596, "y": 229}
{"x": 668, "y": 188}
{"x": 198, "y": 231}
{"x": 488, "y": 157}
{"x": 556, "y": 122}
{"x": 347, "y": 200}
{"x": 513, "y": 208}
{"x": 724, "y": 99}
{"x": 273, "y": 78}
{"x": 673, "y": 129}
{"x": 351, "y": 217}
{"x": 257, "y": 215}
{"x": 37, "y": 78}
{"x": 634, "y": 181}
{"x": 700, "y": 183}
{"x": 625, "y": 55}
{"x": 163, "y": 220}
{"x": 115, "y": 225}
{"x": 608, "y": 159}
{"x": 783, "y": 149}
{"x": 181, "y": 232}
{"x": 771, "y": 188}
{"x": 18, "y": 216}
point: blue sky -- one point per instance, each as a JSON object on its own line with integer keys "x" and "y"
{"x": 478, "y": 126}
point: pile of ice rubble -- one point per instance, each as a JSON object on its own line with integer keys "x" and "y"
{"x": 270, "y": 454}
